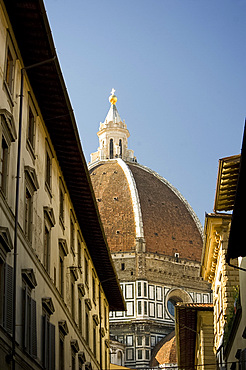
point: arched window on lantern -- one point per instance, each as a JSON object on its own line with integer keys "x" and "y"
{"x": 111, "y": 149}
{"x": 120, "y": 145}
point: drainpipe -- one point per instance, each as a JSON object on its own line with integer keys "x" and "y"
{"x": 11, "y": 357}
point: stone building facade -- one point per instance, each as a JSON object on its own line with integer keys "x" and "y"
{"x": 56, "y": 288}
{"x": 223, "y": 277}
{"x": 155, "y": 240}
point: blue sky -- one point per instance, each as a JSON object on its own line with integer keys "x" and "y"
{"x": 178, "y": 67}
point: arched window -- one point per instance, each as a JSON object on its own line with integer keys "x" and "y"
{"x": 111, "y": 149}
{"x": 120, "y": 145}
{"x": 119, "y": 358}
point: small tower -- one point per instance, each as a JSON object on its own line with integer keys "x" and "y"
{"x": 113, "y": 135}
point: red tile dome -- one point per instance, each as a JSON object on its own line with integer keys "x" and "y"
{"x": 135, "y": 202}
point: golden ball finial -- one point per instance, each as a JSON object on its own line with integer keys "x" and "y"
{"x": 112, "y": 98}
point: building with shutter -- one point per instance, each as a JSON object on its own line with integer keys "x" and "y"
{"x": 57, "y": 279}
{"x": 223, "y": 262}
{"x": 155, "y": 239}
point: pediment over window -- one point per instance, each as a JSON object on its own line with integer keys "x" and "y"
{"x": 88, "y": 366}
{"x": 49, "y": 213}
{"x": 5, "y": 242}
{"x": 29, "y": 277}
{"x": 31, "y": 177}
{"x": 74, "y": 271}
{"x": 63, "y": 327}
{"x": 48, "y": 305}
{"x": 102, "y": 332}
{"x": 8, "y": 120}
{"x": 74, "y": 345}
{"x": 88, "y": 303}
{"x": 81, "y": 357}
{"x": 63, "y": 246}
{"x": 81, "y": 288}
{"x": 95, "y": 319}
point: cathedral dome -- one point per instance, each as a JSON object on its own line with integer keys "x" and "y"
{"x": 155, "y": 240}
{"x": 136, "y": 203}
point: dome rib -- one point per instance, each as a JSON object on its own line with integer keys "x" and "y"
{"x": 177, "y": 193}
{"x": 135, "y": 198}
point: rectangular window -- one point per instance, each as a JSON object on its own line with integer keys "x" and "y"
{"x": 9, "y": 71}
{"x": 139, "y": 307}
{"x": 140, "y": 354}
{"x": 151, "y": 292}
{"x": 139, "y": 340}
{"x": 86, "y": 271}
{"x": 80, "y": 314}
{"x": 130, "y": 308}
{"x": 129, "y": 354}
{"x": 129, "y": 291}
{"x": 72, "y": 297}
{"x": 48, "y": 170}
{"x": 147, "y": 340}
{"x": 31, "y": 122}
{"x": 3, "y": 165}
{"x": 147, "y": 354}
{"x": 93, "y": 289}
{"x": 105, "y": 317}
{"x": 139, "y": 289}
{"x": 129, "y": 340}
{"x": 151, "y": 309}
{"x": 145, "y": 308}
{"x": 79, "y": 253}
{"x": 28, "y": 215}
{"x": 72, "y": 231}
{"x": 94, "y": 339}
{"x": 61, "y": 205}
{"x": 73, "y": 360}
{"x": 29, "y": 323}
{"x": 6, "y": 296}
{"x": 61, "y": 354}
{"x": 61, "y": 275}
{"x": 46, "y": 247}
{"x": 48, "y": 353}
{"x": 145, "y": 289}
{"x": 153, "y": 341}
{"x": 159, "y": 293}
{"x": 87, "y": 325}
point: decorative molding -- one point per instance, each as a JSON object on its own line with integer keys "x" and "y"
{"x": 81, "y": 357}
{"x": 29, "y": 277}
{"x": 95, "y": 319}
{"x": 6, "y": 244}
{"x": 88, "y": 303}
{"x": 74, "y": 345}
{"x": 73, "y": 270}
{"x": 63, "y": 246}
{"x": 63, "y": 327}
{"x": 81, "y": 288}
{"x": 48, "y": 305}
{"x": 9, "y": 124}
{"x": 49, "y": 213}
{"x": 31, "y": 177}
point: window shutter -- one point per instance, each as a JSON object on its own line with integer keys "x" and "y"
{"x": 25, "y": 328}
{"x": 52, "y": 347}
{"x": 33, "y": 329}
{"x": 45, "y": 341}
{"x": 8, "y": 303}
